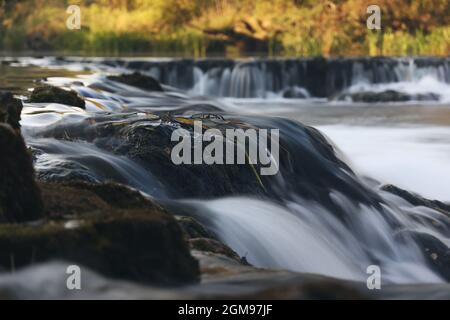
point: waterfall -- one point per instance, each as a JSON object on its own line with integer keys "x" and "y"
{"x": 262, "y": 78}
{"x": 304, "y": 236}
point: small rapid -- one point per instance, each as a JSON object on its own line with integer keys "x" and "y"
{"x": 84, "y": 161}
{"x": 306, "y": 237}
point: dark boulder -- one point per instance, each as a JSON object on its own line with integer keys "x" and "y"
{"x": 295, "y": 93}
{"x": 20, "y": 199}
{"x": 10, "y": 109}
{"x": 138, "y": 80}
{"x": 57, "y": 95}
{"x": 387, "y": 96}
{"x": 108, "y": 228}
{"x": 308, "y": 164}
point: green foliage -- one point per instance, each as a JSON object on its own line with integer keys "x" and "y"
{"x": 200, "y": 27}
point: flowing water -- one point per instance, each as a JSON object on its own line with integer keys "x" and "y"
{"x": 314, "y": 225}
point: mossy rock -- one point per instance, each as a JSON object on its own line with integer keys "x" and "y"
{"x": 151, "y": 147}
{"x": 130, "y": 238}
{"x": 138, "y": 80}
{"x": 134, "y": 245}
{"x": 83, "y": 199}
{"x": 10, "y": 109}
{"x": 57, "y": 95}
{"x": 20, "y": 199}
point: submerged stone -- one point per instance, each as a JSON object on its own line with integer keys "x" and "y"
{"x": 436, "y": 253}
{"x": 387, "y": 96}
{"x": 10, "y": 109}
{"x": 57, "y": 95}
{"x": 20, "y": 199}
{"x": 138, "y": 80}
{"x": 295, "y": 93}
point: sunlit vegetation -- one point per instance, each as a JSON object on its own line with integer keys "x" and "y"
{"x": 230, "y": 27}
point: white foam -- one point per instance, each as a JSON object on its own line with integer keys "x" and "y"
{"x": 425, "y": 85}
{"x": 417, "y": 159}
{"x": 306, "y": 237}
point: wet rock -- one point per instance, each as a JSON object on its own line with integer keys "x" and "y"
{"x": 138, "y": 80}
{"x": 214, "y": 246}
{"x": 81, "y": 198}
{"x": 57, "y": 95}
{"x": 193, "y": 229}
{"x": 201, "y": 239}
{"x": 436, "y": 253}
{"x": 308, "y": 163}
{"x": 20, "y": 199}
{"x": 151, "y": 146}
{"x": 417, "y": 200}
{"x": 109, "y": 228}
{"x": 8, "y": 62}
{"x": 66, "y": 171}
{"x": 118, "y": 195}
{"x": 10, "y": 109}
{"x": 387, "y": 96}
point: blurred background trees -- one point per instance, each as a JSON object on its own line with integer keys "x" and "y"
{"x": 230, "y": 27}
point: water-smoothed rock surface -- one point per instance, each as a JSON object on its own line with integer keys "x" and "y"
{"x": 386, "y": 96}
{"x": 308, "y": 163}
{"x": 435, "y": 250}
